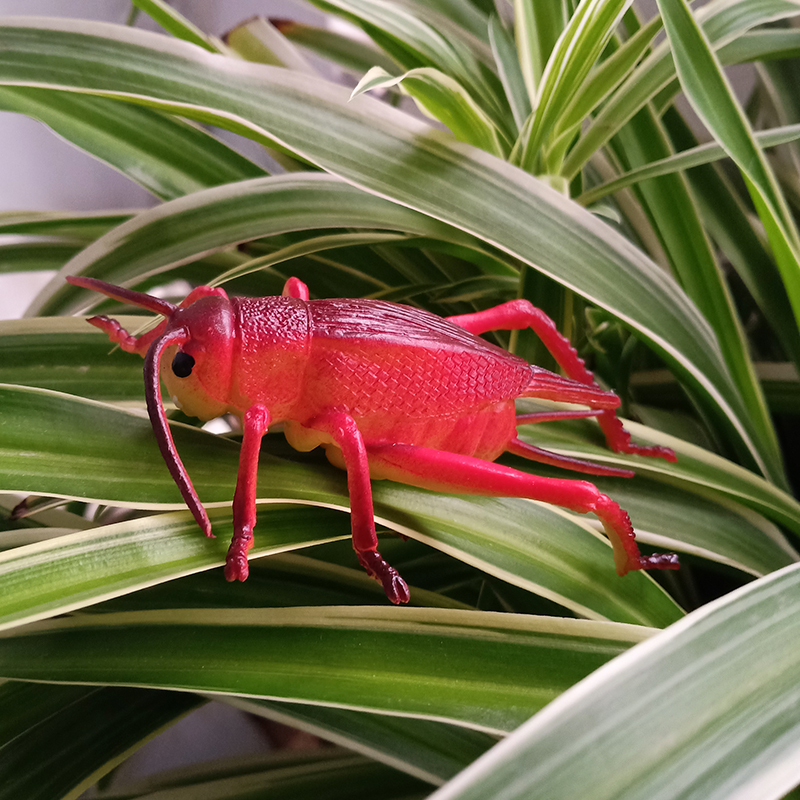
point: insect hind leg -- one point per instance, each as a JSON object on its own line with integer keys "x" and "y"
{"x": 542, "y": 456}
{"x": 449, "y": 472}
{"x": 520, "y": 314}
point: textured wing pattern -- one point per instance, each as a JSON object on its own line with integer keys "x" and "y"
{"x": 383, "y": 358}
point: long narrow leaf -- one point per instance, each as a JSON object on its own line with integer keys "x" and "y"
{"x": 707, "y": 709}
{"x": 385, "y": 152}
{"x": 672, "y": 210}
{"x": 56, "y": 445}
{"x": 188, "y": 228}
{"x": 711, "y": 96}
{"x": 176, "y": 23}
{"x": 722, "y": 21}
{"x": 72, "y": 736}
{"x": 166, "y": 156}
{"x": 686, "y": 159}
{"x": 432, "y": 751}
{"x": 322, "y": 772}
{"x": 509, "y": 70}
{"x": 484, "y": 670}
{"x": 82, "y": 226}
{"x": 444, "y": 99}
{"x": 583, "y": 40}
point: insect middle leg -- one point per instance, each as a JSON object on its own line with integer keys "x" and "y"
{"x": 520, "y": 314}
{"x": 449, "y": 472}
{"x": 342, "y": 428}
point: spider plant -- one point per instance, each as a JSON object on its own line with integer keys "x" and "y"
{"x": 464, "y": 153}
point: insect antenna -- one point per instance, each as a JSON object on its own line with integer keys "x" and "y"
{"x": 129, "y": 296}
{"x": 158, "y": 419}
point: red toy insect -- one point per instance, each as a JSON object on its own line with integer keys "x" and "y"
{"x": 388, "y": 390}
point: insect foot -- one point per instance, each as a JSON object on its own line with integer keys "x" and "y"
{"x": 618, "y": 526}
{"x": 395, "y": 587}
{"x": 236, "y": 566}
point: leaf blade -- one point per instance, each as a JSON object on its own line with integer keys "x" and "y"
{"x": 695, "y": 684}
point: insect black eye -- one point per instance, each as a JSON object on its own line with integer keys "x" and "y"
{"x": 182, "y": 365}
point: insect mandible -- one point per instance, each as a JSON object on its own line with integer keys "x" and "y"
{"x": 389, "y": 391}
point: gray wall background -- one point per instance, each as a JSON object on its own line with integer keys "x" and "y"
{"x": 39, "y": 171}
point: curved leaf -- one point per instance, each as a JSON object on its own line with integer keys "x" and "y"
{"x": 686, "y": 159}
{"x": 167, "y": 156}
{"x": 389, "y": 154}
{"x": 63, "y": 738}
{"x": 442, "y": 98}
{"x": 676, "y": 716}
{"x": 65, "y": 354}
{"x": 712, "y": 98}
{"x": 485, "y": 670}
{"x": 723, "y": 22}
{"x": 182, "y": 230}
{"x": 432, "y": 751}
{"x": 697, "y": 469}
{"x": 57, "y": 445}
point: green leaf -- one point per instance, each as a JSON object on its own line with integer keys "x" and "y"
{"x": 723, "y": 22}
{"x": 75, "y": 226}
{"x": 56, "y": 741}
{"x": 508, "y": 68}
{"x": 762, "y": 45}
{"x": 385, "y": 152}
{"x": 538, "y": 25}
{"x": 711, "y": 96}
{"x": 181, "y": 231}
{"x": 441, "y": 98}
{"x": 66, "y": 355}
{"x": 167, "y": 156}
{"x": 289, "y": 775}
{"x": 498, "y": 668}
{"x": 57, "y": 445}
{"x": 413, "y": 42}
{"x": 465, "y": 16}
{"x": 686, "y": 159}
{"x": 697, "y": 469}
{"x": 739, "y": 236}
{"x": 670, "y": 205}
{"x": 702, "y": 496}
{"x": 176, "y": 23}
{"x": 316, "y": 244}
{"x": 602, "y": 80}
{"x": 707, "y": 709}
{"x": 354, "y": 56}
{"x": 577, "y": 49}
{"x": 37, "y": 255}
{"x": 258, "y": 40}
{"x": 430, "y": 750}
{"x": 414, "y": 37}
{"x": 327, "y": 576}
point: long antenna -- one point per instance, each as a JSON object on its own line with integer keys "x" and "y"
{"x": 129, "y": 296}
{"x": 158, "y": 419}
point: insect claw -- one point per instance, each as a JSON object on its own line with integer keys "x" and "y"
{"x": 395, "y": 587}
{"x": 236, "y": 566}
{"x": 660, "y": 561}
{"x": 398, "y": 592}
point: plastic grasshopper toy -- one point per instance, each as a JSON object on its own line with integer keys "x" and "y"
{"x": 388, "y": 390}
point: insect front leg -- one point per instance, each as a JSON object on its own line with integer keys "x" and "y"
{"x": 344, "y": 431}
{"x": 520, "y": 314}
{"x": 449, "y": 472}
{"x": 127, "y": 342}
{"x": 256, "y": 422}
